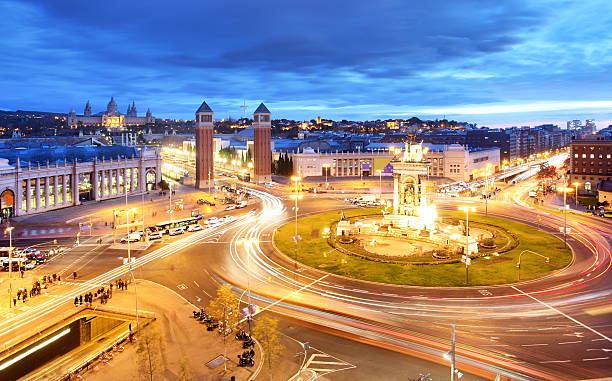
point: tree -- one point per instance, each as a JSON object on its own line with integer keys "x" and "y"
{"x": 225, "y": 306}
{"x": 266, "y": 332}
{"x": 185, "y": 371}
{"x": 163, "y": 185}
{"x": 150, "y": 352}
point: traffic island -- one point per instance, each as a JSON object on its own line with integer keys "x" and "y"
{"x": 501, "y": 244}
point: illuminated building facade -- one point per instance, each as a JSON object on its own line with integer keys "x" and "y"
{"x": 111, "y": 118}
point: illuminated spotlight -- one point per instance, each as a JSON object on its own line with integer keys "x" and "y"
{"x": 34, "y": 349}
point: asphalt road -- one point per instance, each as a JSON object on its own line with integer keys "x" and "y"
{"x": 554, "y": 328}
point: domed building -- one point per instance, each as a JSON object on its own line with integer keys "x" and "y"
{"x": 111, "y": 118}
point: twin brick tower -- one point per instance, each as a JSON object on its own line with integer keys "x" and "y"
{"x": 262, "y": 154}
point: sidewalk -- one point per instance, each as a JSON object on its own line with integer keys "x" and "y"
{"x": 186, "y": 340}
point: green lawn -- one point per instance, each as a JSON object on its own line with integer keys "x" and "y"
{"x": 314, "y": 251}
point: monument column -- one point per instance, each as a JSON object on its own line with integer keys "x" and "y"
{"x": 396, "y": 186}
{"x": 205, "y": 171}
{"x": 262, "y": 168}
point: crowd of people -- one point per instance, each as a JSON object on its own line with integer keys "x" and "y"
{"x": 38, "y": 286}
{"x": 103, "y": 294}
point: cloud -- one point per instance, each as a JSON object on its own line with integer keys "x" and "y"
{"x": 343, "y": 59}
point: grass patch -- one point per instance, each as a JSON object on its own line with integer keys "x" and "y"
{"x": 315, "y": 251}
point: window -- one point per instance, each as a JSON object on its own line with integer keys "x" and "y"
{"x": 576, "y": 155}
{"x": 587, "y": 186}
{"x": 591, "y": 156}
{"x": 584, "y": 155}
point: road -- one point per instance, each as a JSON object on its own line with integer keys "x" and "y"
{"x": 554, "y": 328}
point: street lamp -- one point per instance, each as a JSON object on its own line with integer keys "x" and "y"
{"x": 518, "y": 265}
{"x": 127, "y": 227}
{"x": 327, "y": 166}
{"x": 576, "y": 184}
{"x": 10, "y": 231}
{"x": 565, "y": 208}
{"x": 379, "y": 171}
{"x": 467, "y": 210}
{"x": 247, "y": 242}
{"x": 487, "y": 189}
{"x": 296, "y": 196}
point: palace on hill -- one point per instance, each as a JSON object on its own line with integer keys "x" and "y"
{"x": 110, "y": 118}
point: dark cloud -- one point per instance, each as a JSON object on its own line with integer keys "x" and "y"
{"x": 332, "y": 55}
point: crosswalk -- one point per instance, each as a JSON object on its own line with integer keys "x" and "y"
{"x": 323, "y": 363}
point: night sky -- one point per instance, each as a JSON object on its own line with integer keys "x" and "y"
{"x": 496, "y": 63}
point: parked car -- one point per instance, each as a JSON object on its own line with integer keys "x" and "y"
{"x": 155, "y": 235}
{"x": 176, "y": 231}
{"x": 194, "y": 228}
{"x": 231, "y": 207}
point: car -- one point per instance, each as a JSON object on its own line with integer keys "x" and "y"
{"x": 30, "y": 265}
{"x": 201, "y": 201}
{"x": 155, "y": 235}
{"x": 241, "y": 204}
{"x": 131, "y": 238}
{"x": 230, "y": 207}
{"x": 176, "y": 231}
{"x": 194, "y": 228}
{"x": 211, "y": 220}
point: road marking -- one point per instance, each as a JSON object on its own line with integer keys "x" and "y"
{"x": 597, "y": 339}
{"x": 596, "y": 358}
{"x": 181, "y": 286}
{"x": 563, "y": 314}
{"x": 571, "y": 342}
{"x": 532, "y": 345}
{"x": 554, "y": 361}
{"x": 196, "y": 283}
{"x": 485, "y": 292}
{"x": 599, "y": 349}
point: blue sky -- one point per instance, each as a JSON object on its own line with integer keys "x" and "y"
{"x": 497, "y": 63}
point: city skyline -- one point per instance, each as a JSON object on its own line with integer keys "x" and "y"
{"x": 521, "y": 63}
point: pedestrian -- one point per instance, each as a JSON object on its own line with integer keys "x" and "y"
{"x": 110, "y": 288}
{"x": 125, "y": 286}
{"x": 59, "y": 279}
{"x": 74, "y": 274}
{"x": 22, "y": 273}
{"x": 14, "y": 302}
{"x": 54, "y": 277}
{"x": 81, "y": 299}
{"x": 24, "y": 298}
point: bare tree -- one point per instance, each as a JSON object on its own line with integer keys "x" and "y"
{"x": 150, "y": 353}
{"x": 185, "y": 371}
{"x": 266, "y": 332}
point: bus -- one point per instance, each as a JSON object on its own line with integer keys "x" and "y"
{"x": 183, "y": 223}
{"x": 246, "y": 177}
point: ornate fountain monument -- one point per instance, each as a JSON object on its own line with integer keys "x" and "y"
{"x": 410, "y": 228}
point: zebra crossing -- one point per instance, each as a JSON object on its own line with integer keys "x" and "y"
{"x": 323, "y": 363}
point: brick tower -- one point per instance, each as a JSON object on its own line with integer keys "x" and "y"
{"x": 262, "y": 154}
{"x": 204, "y": 148}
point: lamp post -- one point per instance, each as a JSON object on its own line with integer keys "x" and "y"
{"x": 518, "y": 265}
{"x": 170, "y": 200}
{"x": 467, "y": 210}
{"x": 127, "y": 227}
{"x": 486, "y": 197}
{"x": 379, "y": 171}
{"x": 565, "y": 190}
{"x": 576, "y": 183}
{"x": 247, "y": 242}
{"x": 296, "y": 196}
{"x": 10, "y": 231}
{"x": 327, "y": 166}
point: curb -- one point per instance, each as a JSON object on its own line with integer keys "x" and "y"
{"x": 300, "y": 376}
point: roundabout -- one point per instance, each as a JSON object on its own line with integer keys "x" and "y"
{"x": 415, "y": 261}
